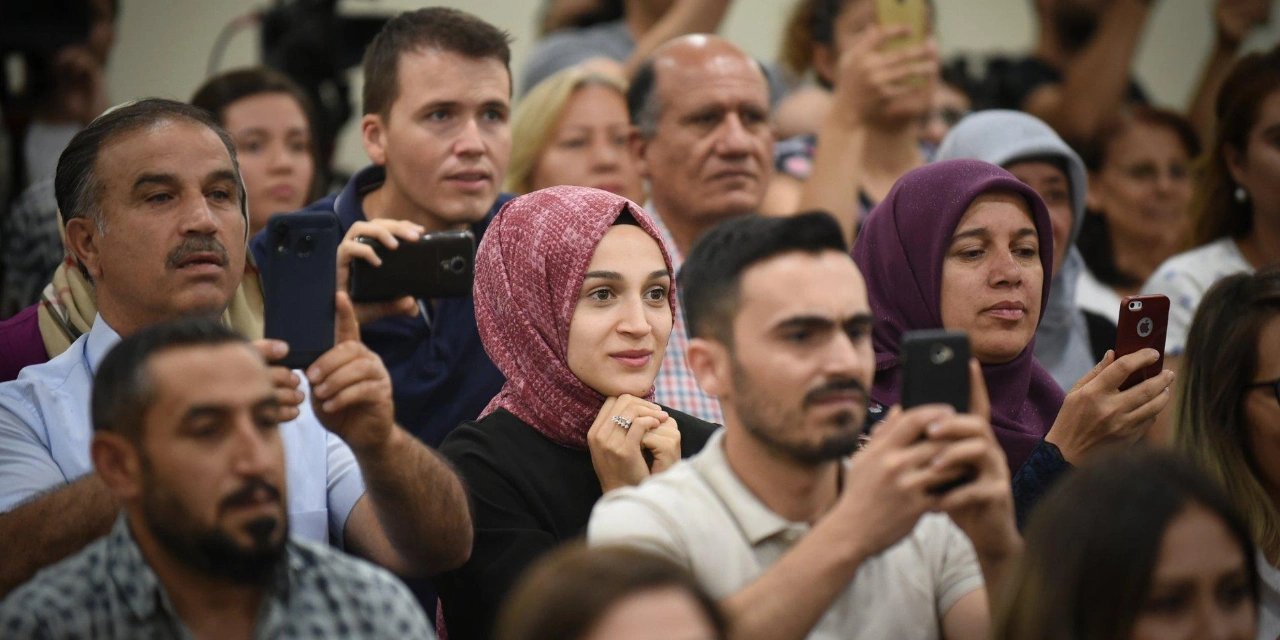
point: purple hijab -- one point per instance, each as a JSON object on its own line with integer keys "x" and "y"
{"x": 900, "y": 251}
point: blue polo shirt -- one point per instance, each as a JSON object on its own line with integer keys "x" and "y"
{"x": 440, "y": 373}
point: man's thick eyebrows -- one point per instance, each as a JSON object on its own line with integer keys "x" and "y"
{"x": 155, "y": 178}
{"x": 221, "y": 175}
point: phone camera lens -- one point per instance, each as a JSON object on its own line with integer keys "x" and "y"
{"x": 1135, "y": 305}
{"x": 941, "y": 353}
{"x": 456, "y": 264}
{"x": 306, "y": 244}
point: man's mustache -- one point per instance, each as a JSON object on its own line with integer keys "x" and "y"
{"x": 196, "y": 244}
{"x": 839, "y": 387}
{"x": 244, "y": 496}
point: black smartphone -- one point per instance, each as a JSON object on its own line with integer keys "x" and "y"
{"x": 1142, "y": 324}
{"x": 935, "y": 370}
{"x": 438, "y": 265}
{"x": 299, "y": 283}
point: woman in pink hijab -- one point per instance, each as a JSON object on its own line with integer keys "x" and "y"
{"x": 574, "y": 300}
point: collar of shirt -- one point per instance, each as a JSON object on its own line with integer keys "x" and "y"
{"x": 146, "y": 598}
{"x": 677, "y": 259}
{"x": 101, "y": 339}
{"x": 757, "y": 522}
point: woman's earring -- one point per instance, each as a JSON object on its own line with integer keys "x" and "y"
{"x": 1241, "y": 195}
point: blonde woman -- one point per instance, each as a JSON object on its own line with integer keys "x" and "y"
{"x": 573, "y": 129}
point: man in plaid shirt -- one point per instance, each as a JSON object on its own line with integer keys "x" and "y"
{"x": 702, "y": 109}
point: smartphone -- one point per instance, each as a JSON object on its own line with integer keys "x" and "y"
{"x": 438, "y": 265}
{"x": 1142, "y": 324}
{"x": 299, "y": 283}
{"x": 912, "y": 13}
{"x": 935, "y": 369}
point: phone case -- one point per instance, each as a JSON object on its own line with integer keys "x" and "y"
{"x": 935, "y": 369}
{"x": 912, "y": 13}
{"x": 1142, "y": 324}
{"x": 438, "y": 265}
{"x": 299, "y": 283}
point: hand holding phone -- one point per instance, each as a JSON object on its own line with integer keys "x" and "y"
{"x": 935, "y": 370}
{"x": 1142, "y": 324}
{"x": 437, "y": 265}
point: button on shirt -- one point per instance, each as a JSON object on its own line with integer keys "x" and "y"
{"x": 702, "y": 516}
{"x": 109, "y": 591}
{"x": 45, "y": 431}
{"x": 675, "y": 386}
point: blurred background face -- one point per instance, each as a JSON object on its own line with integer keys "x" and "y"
{"x": 1200, "y": 585}
{"x": 590, "y": 146}
{"x": 659, "y": 614}
{"x": 1258, "y": 168}
{"x": 1143, "y": 188}
{"x": 1262, "y": 409}
{"x": 1051, "y": 183}
{"x": 623, "y": 318}
{"x": 273, "y": 144}
{"x": 949, "y": 105}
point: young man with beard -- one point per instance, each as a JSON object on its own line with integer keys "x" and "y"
{"x": 771, "y": 517}
{"x": 1080, "y": 73}
{"x": 187, "y": 438}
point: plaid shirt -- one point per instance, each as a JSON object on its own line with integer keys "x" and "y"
{"x": 109, "y": 591}
{"x": 676, "y": 387}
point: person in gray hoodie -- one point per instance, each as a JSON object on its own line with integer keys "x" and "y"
{"x": 1069, "y": 341}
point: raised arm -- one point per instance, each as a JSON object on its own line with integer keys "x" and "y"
{"x": 1233, "y": 19}
{"x": 413, "y": 518}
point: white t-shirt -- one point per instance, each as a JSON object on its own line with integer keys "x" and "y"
{"x": 1186, "y": 277}
{"x": 1095, "y": 297}
{"x": 700, "y": 515}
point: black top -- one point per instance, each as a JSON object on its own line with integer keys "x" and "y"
{"x": 528, "y": 495}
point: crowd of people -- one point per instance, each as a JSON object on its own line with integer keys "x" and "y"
{"x": 672, "y": 405}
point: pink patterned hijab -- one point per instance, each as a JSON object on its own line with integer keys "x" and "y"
{"x": 529, "y": 270}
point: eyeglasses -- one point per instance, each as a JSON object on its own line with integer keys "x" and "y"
{"x": 1274, "y": 384}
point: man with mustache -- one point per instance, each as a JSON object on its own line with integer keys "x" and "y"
{"x": 772, "y": 518}
{"x": 155, "y": 214}
{"x": 1079, "y": 74}
{"x": 187, "y": 438}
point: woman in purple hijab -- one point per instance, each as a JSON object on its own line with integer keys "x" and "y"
{"x": 966, "y": 246}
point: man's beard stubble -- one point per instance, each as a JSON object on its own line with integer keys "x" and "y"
{"x": 770, "y": 423}
{"x": 212, "y": 552}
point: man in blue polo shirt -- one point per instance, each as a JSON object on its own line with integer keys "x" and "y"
{"x": 436, "y": 98}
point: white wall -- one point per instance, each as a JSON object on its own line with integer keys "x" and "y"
{"x": 163, "y": 45}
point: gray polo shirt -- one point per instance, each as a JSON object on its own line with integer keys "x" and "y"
{"x": 700, "y": 514}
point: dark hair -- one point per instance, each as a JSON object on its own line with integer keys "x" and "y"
{"x": 1093, "y": 542}
{"x": 642, "y": 99}
{"x": 712, "y": 273}
{"x": 1215, "y": 211}
{"x": 122, "y": 385}
{"x": 568, "y": 591}
{"x": 1221, "y": 359}
{"x": 440, "y": 28}
{"x": 223, "y": 90}
{"x": 1094, "y": 241}
{"x": 76, "y": 185}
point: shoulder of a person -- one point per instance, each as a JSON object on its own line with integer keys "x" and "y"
{"x": 35, "y": 382}
{"x": 321, "y": 566}
{"x": 692, "y": 428}
{"x": 675, "y": 492}
{"x": 1191, "y": 267}
{"x": 496, "y": 433}
{"x": 71, "y": 582}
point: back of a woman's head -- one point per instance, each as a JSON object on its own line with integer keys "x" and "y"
{"x": 1216, "y": 210}
{"x": 1093, "y": 543}
{"x": 569, "y": 592}
{"x": 1221, "y": 359}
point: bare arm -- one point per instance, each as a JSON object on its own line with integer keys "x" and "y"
{"x": 414, "y": 517}
{"x": 1094, "y": 83}
{"x": 53, "y": 526}
{"x": 684, "y": 17}
{"x": 1233, "y": 20}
